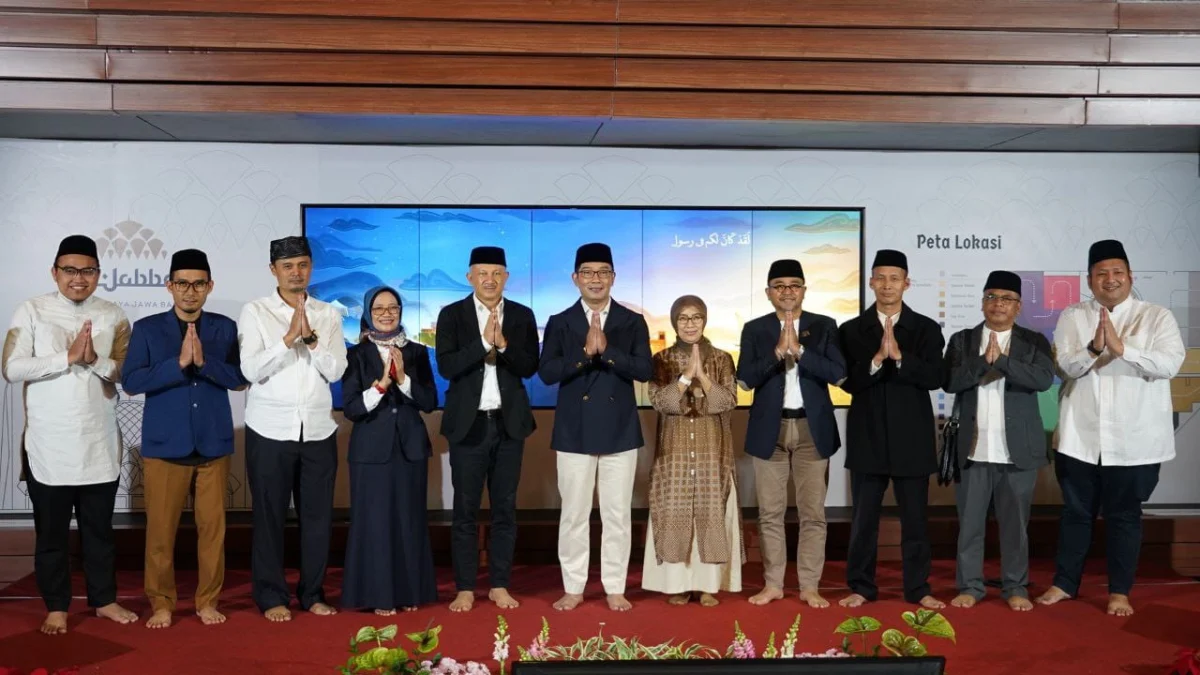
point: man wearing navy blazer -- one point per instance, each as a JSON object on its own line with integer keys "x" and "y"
{"x": 185, "y": 361}
{"x": 487, "y": 345}
{"x": 594, "y": 351}
{"x": 789, "y": 358}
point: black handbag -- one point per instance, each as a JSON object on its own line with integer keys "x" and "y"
{"x": 948, "y": 471}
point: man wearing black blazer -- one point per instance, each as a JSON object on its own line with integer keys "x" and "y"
{"x": 487, "y": 346}
{"x": 789, "y": 358}
{"x": 594, "y": 351}
{"x": 893, "y": 360}
{"x": 998, "y": 368}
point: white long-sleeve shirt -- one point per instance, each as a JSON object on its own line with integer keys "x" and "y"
{"x": 371, "y": 396}
{"x": 991, "y": 442}
{"x": 489, "y": 396}
{"x": 289, "y": 384}
{"x": 1117, "y": 411}
{"x": 71, "y": 434}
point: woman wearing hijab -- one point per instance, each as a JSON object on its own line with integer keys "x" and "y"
{"x": 694, "y": 536}
{"x": 387, "y": 385}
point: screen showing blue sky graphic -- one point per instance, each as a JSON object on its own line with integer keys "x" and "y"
{"x": 721, "y": 255}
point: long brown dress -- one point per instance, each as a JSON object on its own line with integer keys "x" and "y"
{"x": 694, "y": 540}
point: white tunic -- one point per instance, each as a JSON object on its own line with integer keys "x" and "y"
{"x": 71, "y": 435}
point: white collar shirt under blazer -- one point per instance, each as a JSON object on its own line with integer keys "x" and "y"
{"x": 588, "y": 312}
{"x": 489, "y": 396}
{"x": 1117, "y": 411}
{"x": 991, "y": 443}
{"x": 289, "y": 385}
{"x": 71, "y": 433}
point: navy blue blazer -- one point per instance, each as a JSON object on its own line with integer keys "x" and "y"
{"x": 188, "y": 409}
{"x": 819, "y": 366}
{"x": 597, "y": 409}
{"x": 396, "y": 423}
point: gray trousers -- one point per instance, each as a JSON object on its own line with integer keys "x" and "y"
{"x": 1012, "y": 489}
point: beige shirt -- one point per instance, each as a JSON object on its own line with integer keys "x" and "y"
{"x": 71, "y": 434}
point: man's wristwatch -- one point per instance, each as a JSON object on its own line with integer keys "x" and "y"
{"x": 312, "y": 337}
{"x": 1092, "y": 349}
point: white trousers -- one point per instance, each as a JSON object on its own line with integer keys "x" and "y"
{"x": 579, "y": 478}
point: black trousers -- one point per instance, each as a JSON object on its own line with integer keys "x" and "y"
{"x": 487, "y": 456}
{"x": 912, "y": 496}
{"x": 1118, "y": 493}
{"x": 281, "y": 471}
{"x": 93, "y": 509}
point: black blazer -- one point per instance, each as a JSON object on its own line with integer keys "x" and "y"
{"x": 820, "y": 366}
{"x": 395, "y": 425}
{"x": 1027, "y": 369}
{"x": 460, "y": 358}
{"x": 890, "y": 428}
{"x": 597, "y": 409}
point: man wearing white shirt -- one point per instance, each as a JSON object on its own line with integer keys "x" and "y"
{"x": 487, "y": 345}
{"x": 67, "y": 348}
{"x": 291, "y": 349}
{"x": 1115, "y": 426}
{"x": 594, "y": 351}
{"x": 997, "y": 368}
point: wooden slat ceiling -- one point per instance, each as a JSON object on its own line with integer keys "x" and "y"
{"x": 1004, "y": 74}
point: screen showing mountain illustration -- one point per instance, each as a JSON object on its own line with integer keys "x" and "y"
{"x": 721, "y": 255}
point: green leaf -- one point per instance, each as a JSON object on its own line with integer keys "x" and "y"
{"x": 900, "y": 644}
{"x": 858, "y": 624}
{"x": 930, "y": 623}
{"x": 426, "y": 641}
{"x": 364, "y": 634}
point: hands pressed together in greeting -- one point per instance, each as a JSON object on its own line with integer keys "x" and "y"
{"x": 492, "y": 333}
{"x": 888, "y": 347}
{"x": 393, "y": 370}
{"x": 81, "y": 350}
{"x": 299, "y": 328}
{"x": 1106, "y": 337}
{"x": 694, "y": 370}
{"x": 789, "y": 342}
{"x": 596, "y": 343}
{"x": 192, "y": 352}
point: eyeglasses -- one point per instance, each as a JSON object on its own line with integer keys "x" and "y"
{"x": 791, "y": 288}
{"x": 72, "y": 272}
{"x": 183, "y": 286}
{"x": 1000, "y": 299}
{"x": 588, "y": 275}
{"x": 685, "y": 319}
{"x": 384, "y": 311}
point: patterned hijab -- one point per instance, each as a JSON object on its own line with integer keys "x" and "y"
{"x": 395, "y": 337}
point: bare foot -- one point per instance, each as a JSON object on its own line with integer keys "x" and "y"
{"x": 679, "y": 599}
{"x": 1020, "y": 603}
{"x": 385, "y": 612}
{"x": 1052, "y": 596}
{"x": 55, "y": 623}
{"x": 161, "y": 618}
{"x": 767, "y": 595}
{"x": 209, "y": 616}
{"x": 964, "y": 601}
{"x": 568, "y": 602}
{"x": 853, "y": 600}
{"x": 930, "y": 602}
{"x": 708, "y": 600}
{"x": 618, "y": 603}
{"x": 278, "y": 614}
{"x": 463, "y": 602}
{"x": 814, "y": 599}
{"x": 1118, "y": 605}
{"x": 114, "y": 612}
{"x": 502, "y": 599}
{"x": 410, "y": 609}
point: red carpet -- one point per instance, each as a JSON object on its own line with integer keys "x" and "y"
{"x": 1072, "y": 638}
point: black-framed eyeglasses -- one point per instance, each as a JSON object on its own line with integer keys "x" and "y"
{"x": 182, "y": 286}
{"x": 793, "y": 288}
{"x": 686, "y": 319}
{"x": 393, "y": 310}
{"x": 588, "y": 275}
{"x": 72, "y": 272}
{"x": 1001, "y": 299}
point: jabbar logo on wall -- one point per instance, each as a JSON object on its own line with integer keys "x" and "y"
{"x": 133, "y": 257}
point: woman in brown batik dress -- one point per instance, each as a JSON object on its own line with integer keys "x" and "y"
{"x": 694, "y": 535}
